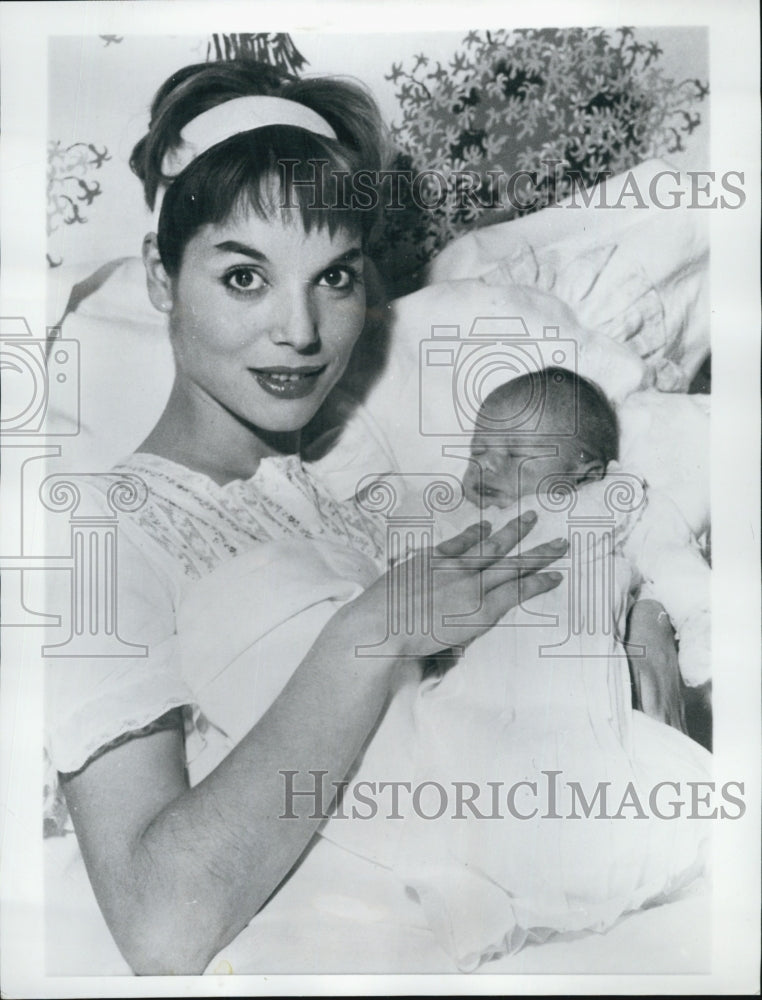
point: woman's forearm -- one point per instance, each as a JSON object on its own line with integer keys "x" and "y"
{"x": 198, "y": 871}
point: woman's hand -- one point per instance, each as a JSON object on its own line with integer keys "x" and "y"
{"x": 447, "y": 596}
{"x": 655, "y": 674}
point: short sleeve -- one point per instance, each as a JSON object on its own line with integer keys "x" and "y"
{"x": 93, "y": 699}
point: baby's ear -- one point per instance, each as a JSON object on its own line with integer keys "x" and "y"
{"x": 590, "y": 470}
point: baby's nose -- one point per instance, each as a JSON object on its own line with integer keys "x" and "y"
{"x": 490, "y": 462}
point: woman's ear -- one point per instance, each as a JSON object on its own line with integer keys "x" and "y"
{"x": 158, "y": 282}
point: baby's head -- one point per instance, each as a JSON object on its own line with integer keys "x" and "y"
{"x": 574, "y": 433}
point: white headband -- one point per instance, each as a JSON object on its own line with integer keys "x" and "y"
{"x": 242, "y": 114}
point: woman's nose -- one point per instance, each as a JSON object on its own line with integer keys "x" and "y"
{"x": 294, "y": 321}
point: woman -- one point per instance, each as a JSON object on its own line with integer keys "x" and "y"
{"x": 265, "y": 298}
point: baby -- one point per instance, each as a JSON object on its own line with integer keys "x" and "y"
{"x": 549, "y": 423}
{"x": 554, "y": 428}
{"x": 544, "y": 695}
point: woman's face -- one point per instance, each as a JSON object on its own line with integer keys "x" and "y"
{"x": 264, "y": 316}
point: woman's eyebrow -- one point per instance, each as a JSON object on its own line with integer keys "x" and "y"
{"x": 233, "y": 246}
{"x": 349, "y": 256}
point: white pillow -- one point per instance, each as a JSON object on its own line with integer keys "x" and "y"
{"x": 450, "y": 345}
{"x": 637, "y": 274}
{"x": 126, "y": 370}
{"x": 665, "y": 439}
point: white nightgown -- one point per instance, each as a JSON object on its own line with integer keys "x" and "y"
{"x": 170, "y": 553}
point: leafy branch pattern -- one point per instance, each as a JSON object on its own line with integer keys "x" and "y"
{"x": 71, "y": 187}
{"x": 276, "y": 49}
{"x": 565, "y": 105}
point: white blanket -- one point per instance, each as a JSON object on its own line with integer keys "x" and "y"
{"x": 536, "y": 713}
{"x": 353, "y": 909}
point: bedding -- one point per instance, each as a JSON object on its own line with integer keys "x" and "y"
{"x": 342, "y": 893}
{"x": 544, "y": 691}
{"x": 634, "y": 272}
{"x": 343, "y": 915}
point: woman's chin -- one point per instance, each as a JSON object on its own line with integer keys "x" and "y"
{"x": 292, "y": 418}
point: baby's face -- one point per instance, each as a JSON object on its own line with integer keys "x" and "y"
{"x": 506, "y": 467}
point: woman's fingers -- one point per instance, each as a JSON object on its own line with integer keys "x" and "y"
{"x": 490, "y": 546}
{"x": 539, "y": 583}
{"x": 540, "y": 556}
{"x": 497, "y": 571}
{"x": 509, "y": 535}
{"x": 488, "y": 552}
{"x": 507, "y": 595}
{"x": 466, "y": 540}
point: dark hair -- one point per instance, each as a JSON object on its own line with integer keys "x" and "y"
{"x": 246, "y": 168}
{"x": 597, "y": 423}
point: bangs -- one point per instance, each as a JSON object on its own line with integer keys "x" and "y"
{"x": 276, "y": 171}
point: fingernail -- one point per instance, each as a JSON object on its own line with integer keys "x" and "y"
{"x": 558, "y": 543}
{"x": 528, "y": 516}
{"x": 555, "y": 577}
{"x": 485, "y": 526}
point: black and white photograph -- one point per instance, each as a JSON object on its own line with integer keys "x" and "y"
{"x": 380, "y": 548}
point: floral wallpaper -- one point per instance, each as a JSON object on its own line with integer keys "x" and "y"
{"x": 559, "y": 104}
{"x": 556, "y": 103}
{"x": 72, "y": 188}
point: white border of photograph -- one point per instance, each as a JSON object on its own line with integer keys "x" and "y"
{"x": 734, "y": 82}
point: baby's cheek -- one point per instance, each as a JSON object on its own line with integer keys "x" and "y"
{"x": 469, "y": 484}
{"x": 471, "y": 475}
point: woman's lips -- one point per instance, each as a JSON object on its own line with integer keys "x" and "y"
{"x": 289, "y": 383}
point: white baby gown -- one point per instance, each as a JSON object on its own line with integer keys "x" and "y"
{"x": 569, "y": 827}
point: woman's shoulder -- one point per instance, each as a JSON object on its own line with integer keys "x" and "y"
{"x": 195, "y": 522}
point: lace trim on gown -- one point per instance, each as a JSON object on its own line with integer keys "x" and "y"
{"x": 199, "y": 523}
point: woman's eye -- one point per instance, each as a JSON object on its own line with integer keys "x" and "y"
{"x": 341, "y": 278}
{"x": 244, "y": 279}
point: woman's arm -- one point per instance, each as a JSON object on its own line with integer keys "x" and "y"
{"x": 178, "y": 872}
{"x": 655, "y": 672}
